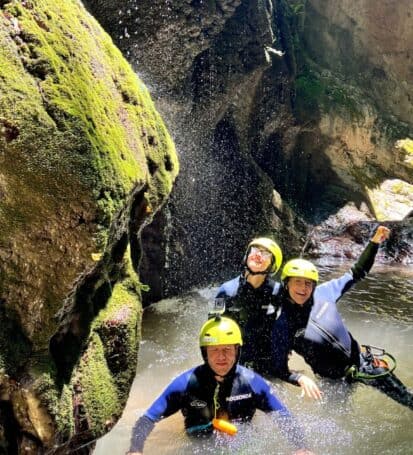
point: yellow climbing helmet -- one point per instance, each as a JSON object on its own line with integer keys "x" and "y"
{"x": 272, "y": 247}
{"x": 299, "y": 268}
{"x": 219, "y": 331}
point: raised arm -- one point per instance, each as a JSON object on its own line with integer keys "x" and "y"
{"x": 333, "y": 290}
{"x": 365, "y": 262}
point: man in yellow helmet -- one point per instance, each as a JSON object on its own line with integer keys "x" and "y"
{"x": 317, "y": 332}
{"x": 216, "y": 392}
{"x": 249, "y": 300}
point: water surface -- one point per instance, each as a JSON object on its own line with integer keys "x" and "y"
{"x": 352, "y": 420}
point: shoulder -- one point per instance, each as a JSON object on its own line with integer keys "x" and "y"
{"x": 333, "y": 286}
{"x": 181, "y": 382}
{"x": 229, "y": 288}
{"x": 256, "y": 381}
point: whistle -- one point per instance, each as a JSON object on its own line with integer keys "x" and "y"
{"x": 224, "y": 426}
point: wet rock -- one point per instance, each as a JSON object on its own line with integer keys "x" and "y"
{"x": 77, "y": 183}
{"x": 346, "y": 240}
{"x": 265, "y": 96}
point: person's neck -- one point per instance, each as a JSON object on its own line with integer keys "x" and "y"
{"x": 255, "y": 280}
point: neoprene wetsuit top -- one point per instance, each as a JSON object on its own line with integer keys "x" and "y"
{"x": 199, "y": 395}
{"x": 251, "y": 307}
{"x": 316, "y": 329}
{"x": 272, "y": 325}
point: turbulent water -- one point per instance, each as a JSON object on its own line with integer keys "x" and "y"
{"x": 354, "y": 419}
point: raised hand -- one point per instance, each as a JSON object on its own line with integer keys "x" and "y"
{"x": 382, "y": 233}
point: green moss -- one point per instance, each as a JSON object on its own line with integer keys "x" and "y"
{"x": 118, "y": 325}
{"x": 78, "y": 133}
{"x": 57, "y": 401}
{"x": 93, "y": 104}
{"x": 325, "y": 93}
{"x": 99, "y": 393}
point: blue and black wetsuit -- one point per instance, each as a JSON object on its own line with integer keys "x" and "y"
{"x": 273, "y": 326}
{"x": 198, "y": 395}
{"x": 318, "y": 333}
{"x": 316, "y": 329}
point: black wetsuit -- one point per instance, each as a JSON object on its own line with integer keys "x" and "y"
{"x": 256, "y": 310}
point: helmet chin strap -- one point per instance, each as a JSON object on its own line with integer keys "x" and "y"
{"x": 250, "y": 272}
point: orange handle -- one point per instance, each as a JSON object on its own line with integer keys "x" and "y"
{"x": 223, "y": 425}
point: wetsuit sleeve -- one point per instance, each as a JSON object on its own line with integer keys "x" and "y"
{"x": 267, "y": 401}
{"x": 290, "y": 376}
{"x": 140, "y": 432}
{"x": 282, "y": 370}
{"x": 334, "y": 289}
{"x": 169, "y": 402}
{"x": 365, "y": 262}
{"x": 281, "y": 345}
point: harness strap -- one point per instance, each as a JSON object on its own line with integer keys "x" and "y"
{"x": 381, "y": 361}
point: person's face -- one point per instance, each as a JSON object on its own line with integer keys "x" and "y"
{"x": 258, "y": 259}
{"x": 300, "y": 289}
{"x": 221, "y": 358}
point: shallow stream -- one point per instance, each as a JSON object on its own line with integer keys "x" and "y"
{"x": 352, "y": 420}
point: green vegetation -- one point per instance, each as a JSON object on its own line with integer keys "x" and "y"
{"x": 326, "y": 93}
{"x": 96, "y": 388}
{"x": 118, "y": 325}
{"x": 58, "y": 402}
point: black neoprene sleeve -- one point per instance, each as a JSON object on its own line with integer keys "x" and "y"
{"x": 365, "y": 262}
{"x": 140, "y": 432}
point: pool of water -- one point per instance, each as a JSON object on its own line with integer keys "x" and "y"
{"x": 355, "y": 419}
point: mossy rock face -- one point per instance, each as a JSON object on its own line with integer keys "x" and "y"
{"x": 82, "y": 150}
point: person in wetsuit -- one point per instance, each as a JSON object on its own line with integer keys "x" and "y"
{"x": 217, "y": 389}
{"x": 250, "y": 299}
{"x": 317, "y": 332}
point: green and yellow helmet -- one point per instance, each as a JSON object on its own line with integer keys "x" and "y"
{"x": 300, "y": 268}
{"x": 272, "y": 247}
{"x": 220, "y": 331}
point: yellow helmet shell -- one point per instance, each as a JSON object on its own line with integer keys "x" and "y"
{"x": 220, "y": 331}
{"x": 299, "y": 268}
{"x": 272, "y": 247}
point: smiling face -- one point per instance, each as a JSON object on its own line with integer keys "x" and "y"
{"x": 300, "y": 289}
{"x": 258, "y": 259}
{"x": 221, "y": 358}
